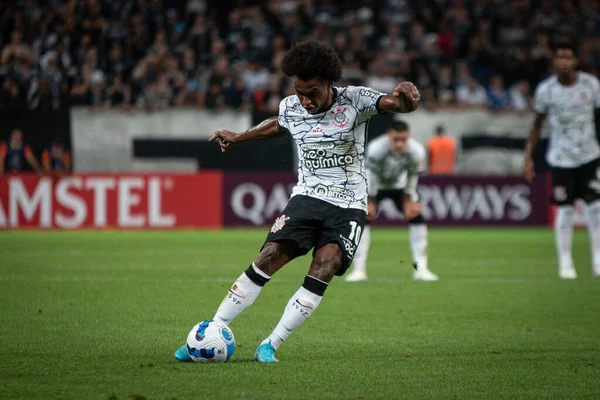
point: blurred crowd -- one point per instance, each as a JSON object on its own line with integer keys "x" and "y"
{"x": 154, "y": 54}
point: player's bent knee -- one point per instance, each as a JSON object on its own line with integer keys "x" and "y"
{"x": 326, "y": 262}
{"x": 269, "y": 253}
{"x": 274, "y": 255}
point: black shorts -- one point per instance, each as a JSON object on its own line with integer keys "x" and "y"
{"x": 397, "y": 196}
{"x": 313, "y": 223}
{"x": 582, "y": 182}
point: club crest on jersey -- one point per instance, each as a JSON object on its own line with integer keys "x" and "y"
{"x": 279, "y": 223}
{"x": 560, "y": 193}
{"x": 340, "y": 119}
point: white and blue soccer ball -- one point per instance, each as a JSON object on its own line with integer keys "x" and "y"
{"x": 210, "y": 341}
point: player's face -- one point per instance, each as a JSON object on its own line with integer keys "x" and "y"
{"x": 314, "y": 94}
{"x": 564, "y": 61}
{"x": 398, "y": 140}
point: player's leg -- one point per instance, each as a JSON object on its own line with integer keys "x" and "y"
{"x": 327, "y": 260}
{"x": 588, "y": 188}
{"x": 248, "y": 286}
{"x": 335, "y": 247}
{"x": 287, "y": 239}
{"x": 359, "y": 265}
{"x": 563, "y": 197}
{"x": 418, "y": 240}
{"x": 418, "y": 237}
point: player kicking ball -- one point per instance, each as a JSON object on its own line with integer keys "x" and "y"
{"x": 394, "y": 162}
{"x": 568, "y": 100}
{"x": 328, "y": 206}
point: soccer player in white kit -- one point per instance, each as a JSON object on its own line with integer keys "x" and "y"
{"x": 568, "y": 100}
{"x": 328, "y": 206}
{"x": 394, "y": 162}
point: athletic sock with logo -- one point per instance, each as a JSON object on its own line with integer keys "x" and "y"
{"x": 302, "y": 304}
{"x": 242, "y": 294}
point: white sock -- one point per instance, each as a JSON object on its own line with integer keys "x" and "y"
{"x": 418, "y": 244}
{"x": 302, "y": 304}
{"x": 592, "y": 211}
{"x": 242, "y": 294}
{"x": 362, "y": 251}
{"x": 563, "y": 230}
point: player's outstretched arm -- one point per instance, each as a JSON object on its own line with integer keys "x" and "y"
{"x": 404, "y": 99}
{"x": 267, "y": 129}
{"x": 532, "y": 141}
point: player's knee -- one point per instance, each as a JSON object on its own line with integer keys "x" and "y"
{"x": 269, "y": 253}
{"x": 328, "y": 260}
{"x": 274, "y": 255}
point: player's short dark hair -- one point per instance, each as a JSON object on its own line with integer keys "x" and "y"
{"x": 311, "y": 59}
{"x": 399, "y": 126}
{"x": 564, "y": 45}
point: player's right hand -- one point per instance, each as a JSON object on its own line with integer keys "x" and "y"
{"x": 225, "y": 138}
{"x": 528, "y": 169}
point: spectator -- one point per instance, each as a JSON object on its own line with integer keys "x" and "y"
{"x": 56, "y": 159}
{"x": 215, "y": 96}
{"x": 236, "y": 97}
{"x": 268, "y": 101}
{"x": 98, "y": 96}
{"x": 520, "y": 96}
{"x": 157, "y": 95}
{"x": 498, "y": 98}
{"x": 472, "y": 94}
{"x": 445, "y": 95}
{"x": 14, "y": 49}
{"x": 93, "y": 22}
{"x": 13, "y": 97}
{"x": 463, "y": 75}
{"x": 116, "y": 63}
{"x": 256, "y": 76}
{"x": 192, "y": 85}
{"x": 119, "y": 94}
{"x": 14, "y": 153}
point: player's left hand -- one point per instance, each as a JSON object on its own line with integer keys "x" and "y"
{"x": 411, "y": 210}
{"x": 409, "y": 90}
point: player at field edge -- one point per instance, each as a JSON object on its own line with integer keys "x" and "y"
{"x": 569, "y": 101}
{"x": 394, "y": 162}
{"x": 328, "y": 206}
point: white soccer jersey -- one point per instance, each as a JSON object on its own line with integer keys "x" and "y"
{"x": 387, "y": 169}
{"x": 570, "y": 111}
{"x": 331, "y": 145}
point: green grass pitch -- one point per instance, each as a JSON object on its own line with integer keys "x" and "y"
{"x": 98, "y": 315}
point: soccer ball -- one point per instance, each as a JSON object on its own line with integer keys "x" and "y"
{"x": 210, "y": 341}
